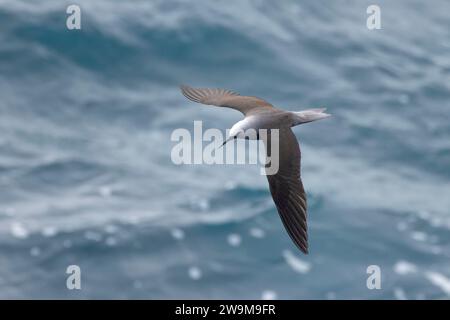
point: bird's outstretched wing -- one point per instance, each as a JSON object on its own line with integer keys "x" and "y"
{"x": 224, "y": 98}
{"x": 287, "y": 189}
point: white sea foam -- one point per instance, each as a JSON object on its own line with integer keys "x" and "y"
{"x": 177, "y": 234}
{"x": 404, "y": 267}
{"x": 439, "y": 280}
{"x": 296, "y": 263}
{"x": 18, "y": 230}
{"x": 419, "y": 236}
{"x": 195, "y": 273}
{"x": 105, "y": 191}
{"x": 234, "y": 240}
{"x": 257, "y": 233}
{"x": 49, "y": 231}
{"x": 203, "y": 204}
{"x": 269, "y": 295}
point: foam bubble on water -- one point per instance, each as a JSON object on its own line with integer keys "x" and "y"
{"x": 404, "y": 268}
{"x": 234, "y": 240}
{"x": 195, "y": 273}
{"x": 35, "y": 251}
{"x": 203, "y": 204}
{"x": 399, "y": 294}
{"x": 105, "y": 191}
{"x": 268, "y": 295}
{"x": 177, "y": 234}
{"x": 49, "y": 231}
{"x": 111, "y": 241}
{"x": 18, "y": 230}
{"x": 419, "y": 236}
{"x": 439, "y": 280}
{"x": 257, "y": 233}
{"x": 296, "y": 263}
{"x": 92, "y": 235}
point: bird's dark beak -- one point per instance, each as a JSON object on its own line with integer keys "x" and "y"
{"x": 229, "y": 138}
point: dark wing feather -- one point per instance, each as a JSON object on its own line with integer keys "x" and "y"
{"x": 287, "y": 189}
{"x": 224, "y": 98}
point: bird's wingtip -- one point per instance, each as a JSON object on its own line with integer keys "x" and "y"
{"x": 185, "y": 90}
{"x": 304, "y": 249}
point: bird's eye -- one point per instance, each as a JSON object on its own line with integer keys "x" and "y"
{"x": 235, "y": 137}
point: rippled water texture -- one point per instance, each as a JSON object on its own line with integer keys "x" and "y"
{"x": 85, "y": 170}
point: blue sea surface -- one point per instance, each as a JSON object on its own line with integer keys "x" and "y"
{"x": 86, "y": 176}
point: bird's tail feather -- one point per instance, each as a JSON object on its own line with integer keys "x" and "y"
{"x": 309, "y": 115}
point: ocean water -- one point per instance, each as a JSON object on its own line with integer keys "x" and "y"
{"x": 86, "y": 176}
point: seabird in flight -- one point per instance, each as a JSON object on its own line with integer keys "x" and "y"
{"x": 285, "y": 185}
